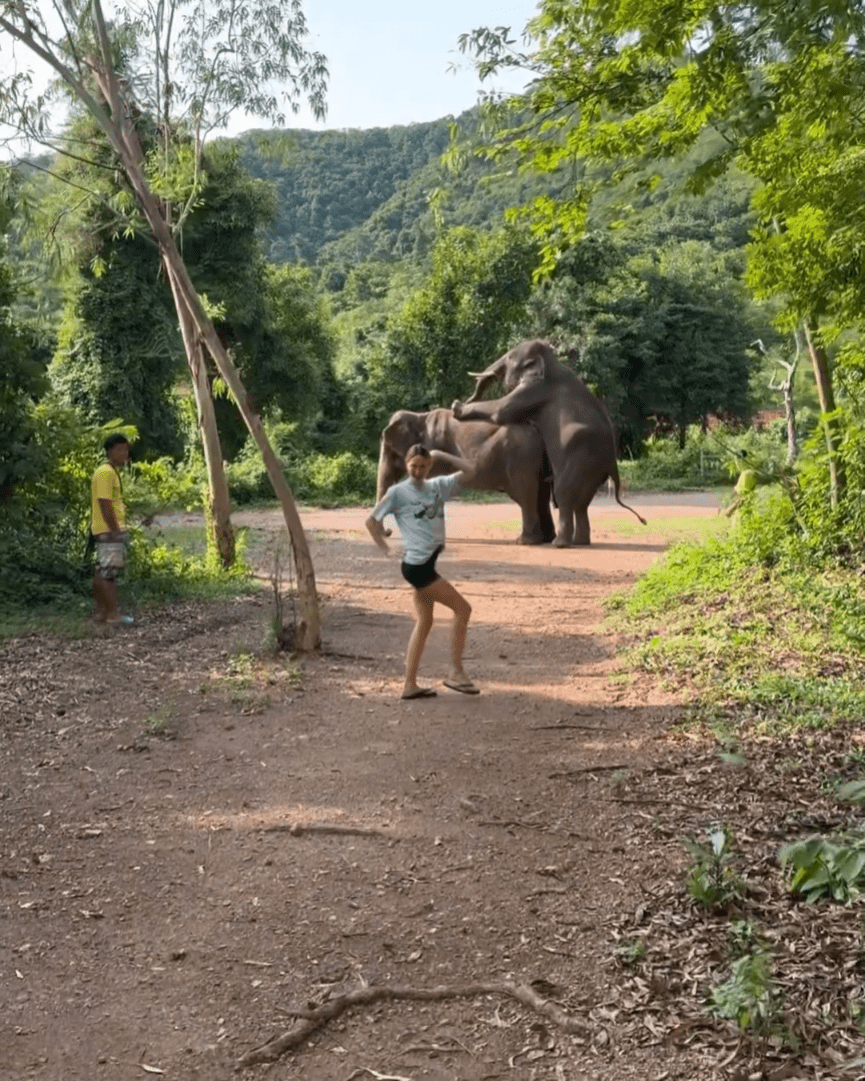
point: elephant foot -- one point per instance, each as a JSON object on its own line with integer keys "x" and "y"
{"x": 562, "y": 542}
{"x": 524, "y": 538}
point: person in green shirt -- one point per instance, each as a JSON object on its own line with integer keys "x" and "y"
{"x": 108, "y": 529}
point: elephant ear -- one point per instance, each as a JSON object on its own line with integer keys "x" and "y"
{"x": 535, "y": 365}
{"x": 400, "y": 432}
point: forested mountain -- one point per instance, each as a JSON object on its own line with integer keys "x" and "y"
{"x": 383, "y": 194}
{"x": 361, "y": 195}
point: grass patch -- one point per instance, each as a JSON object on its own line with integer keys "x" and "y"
{"x": 189, "y": 539}
{"x": 69, "y": 619}
{"x": 690, "y": 527}
{"x": 164, "y": 566}
{"x": 752, "y": 650}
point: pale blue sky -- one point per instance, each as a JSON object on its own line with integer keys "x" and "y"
{"x": 389, "y": 59}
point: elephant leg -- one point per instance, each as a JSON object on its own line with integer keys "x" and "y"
{"x": 527, "y": 488}
{"x": 583, "y": 531}
{"x": 573, "y": 498}
{"x": 565, "y": 531}
{"x": 531, "y": 533}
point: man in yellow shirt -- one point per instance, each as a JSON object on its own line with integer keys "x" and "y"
{"x": 108, "y": 527}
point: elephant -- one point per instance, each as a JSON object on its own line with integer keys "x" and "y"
{"x": 508, "y": 458}
{"x": 576, "y": 428}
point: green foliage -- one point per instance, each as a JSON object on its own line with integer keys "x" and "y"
{"x": 711, "y": 878}
{"x": 314, "y": 477}
{"x": 22, "y": 383}
{"x": 749, "y": 996}
{"x": 119, "y": 352}
{"x": 159, "y": 572}
{"x": 342, "y": 478}
{"x": 829, "y": 868}
{"x": 462, "y": 317}
{"x": 353, "y": 197}
{"x": 661, "y": 334}
{"x": 703, "y": 459}
{"x": 45, "y": 523}
{"x": 763, "y": 633}
{"x": 824, "y": 868}
{"x": 629, "y": 952}
{"x": 164, "y": 484}
{"x": 42, "y": 528}
{"x": 622, "y": 84}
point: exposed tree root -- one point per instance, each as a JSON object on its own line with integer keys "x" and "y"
{"x": 367, "y": 996}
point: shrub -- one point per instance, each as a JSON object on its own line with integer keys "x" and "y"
{"x": 707, "y": 459}
{"x": 345, "y": 477}
{"x": 164, "y": 484}
{"x": 749, "y": 996}
{"x": 313, "y": 477}
{"x": 44, "y": 525}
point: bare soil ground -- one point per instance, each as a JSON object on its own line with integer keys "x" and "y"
{"x": 200, "y": 845}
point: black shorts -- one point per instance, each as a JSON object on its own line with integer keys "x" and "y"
{"x": 420, "y": 575}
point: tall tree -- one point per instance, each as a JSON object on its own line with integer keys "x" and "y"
{"x": 783, "y": 85}
{"x": 22, "y": 383}
{"x": 460, "y": 319}
{"x": 661, "y": 335}
{"x": 189, "y": 72}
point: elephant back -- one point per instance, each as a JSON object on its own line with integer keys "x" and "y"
{"x": 440, "y": 426}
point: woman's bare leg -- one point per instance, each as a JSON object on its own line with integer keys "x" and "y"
{"x": 423, "y": 607}
{"x": 444, "y": 593}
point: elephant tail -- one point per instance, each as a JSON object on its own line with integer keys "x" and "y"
{"x": 614, "y": 473}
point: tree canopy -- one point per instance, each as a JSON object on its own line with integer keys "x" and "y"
{"x": 781, "y": 84}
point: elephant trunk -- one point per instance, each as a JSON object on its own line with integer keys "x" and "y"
{"x": 484, "y": 378}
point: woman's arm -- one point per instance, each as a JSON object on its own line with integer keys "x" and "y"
{"x": 377, "y": 532}
{"x": 464, "y": 469}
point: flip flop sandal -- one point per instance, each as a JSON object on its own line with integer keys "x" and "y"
{"x": 421, "y": 692}
{"x": 463, "y": 688}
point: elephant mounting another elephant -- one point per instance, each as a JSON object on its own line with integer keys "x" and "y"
{"x": 576, "y": 429}
{"x": 508, "y": 458}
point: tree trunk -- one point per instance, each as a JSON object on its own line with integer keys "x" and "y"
{"x": 218, "y": 506}
{"x": 790, "y": 414}
{"x": 789, "y": 406}
{"x": 837, "y": 478}
{"x": 309, "y": 629}
{"x": 126, "y": 143}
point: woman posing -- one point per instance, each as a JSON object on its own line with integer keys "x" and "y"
{"x": 417, "y": 504}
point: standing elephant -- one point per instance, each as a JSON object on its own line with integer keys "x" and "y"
{"x": 508, "y": 458}
{"x": 576, "y": 429}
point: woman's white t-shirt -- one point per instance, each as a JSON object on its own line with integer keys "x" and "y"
{"x": 419, "y": 514}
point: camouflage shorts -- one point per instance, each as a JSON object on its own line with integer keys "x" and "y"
{"x": 110, "y": 559}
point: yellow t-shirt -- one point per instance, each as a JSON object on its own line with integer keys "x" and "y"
{"x": 747, "y": 482}
{"x": 106, "y": 485}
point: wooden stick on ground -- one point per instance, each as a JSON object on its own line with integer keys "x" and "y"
{"x": 310, "y": 1020}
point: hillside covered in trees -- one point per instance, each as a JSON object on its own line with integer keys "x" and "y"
{"x": 385, "y": 194}
{"x": 361, "y": 195}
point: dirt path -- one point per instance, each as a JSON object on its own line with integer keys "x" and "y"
{"x": 194, "y": 843}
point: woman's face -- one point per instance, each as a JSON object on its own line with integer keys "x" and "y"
{"x": 418, "y": 468}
